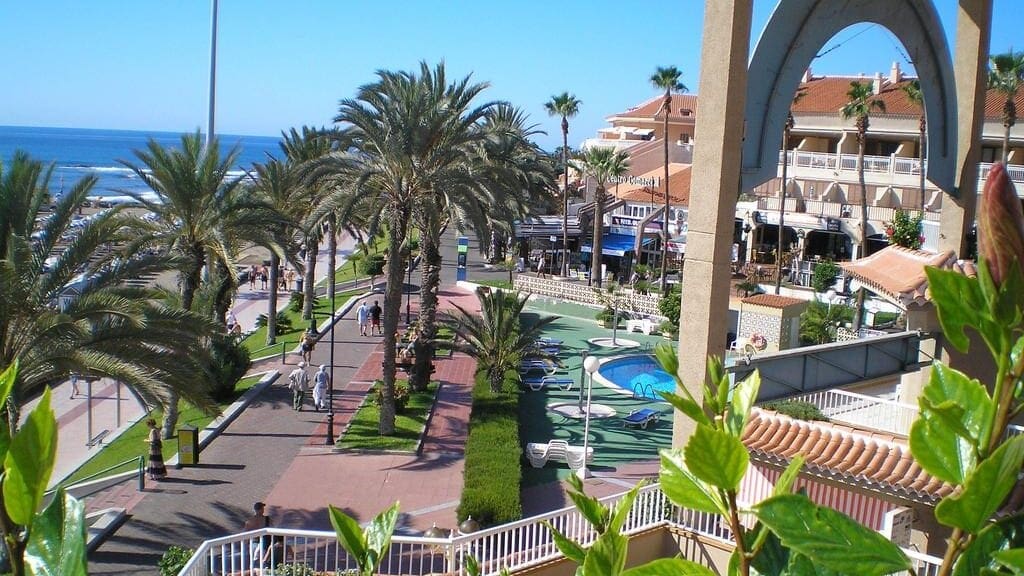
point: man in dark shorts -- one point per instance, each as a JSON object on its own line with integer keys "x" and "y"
{"x": 375, "y": 313}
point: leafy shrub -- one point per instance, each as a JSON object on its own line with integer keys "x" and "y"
{"x": 606, "y": 315}
{"x": 295, "y": 301}
{"x": 372, "y": 264}
{"x": 401, "y": 394}
{"x": 797, "y": 409}
{"x": 173, "y": 560}
{"x": 668, "y": 306}
{"x": 284, "y": 322}
{"x": 230, "y": 361}
{"x": 825, "y": 275}
{"x": 492, "y": 466}
{"x": 905, "y": 230}
{"x": 294, "y": 570}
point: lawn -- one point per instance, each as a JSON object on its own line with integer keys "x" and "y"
{"x": 350, "y": 271}
{"x": 500, "y": 284}
{"x": 362, "y": 433}
{"x": 256, "y": 342}
{"x": 133, "y": 442}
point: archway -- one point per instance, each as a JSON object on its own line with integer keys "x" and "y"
{"x": 794, "y": 34}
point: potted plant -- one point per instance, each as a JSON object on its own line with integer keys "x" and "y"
{"x": 606, "y": 317}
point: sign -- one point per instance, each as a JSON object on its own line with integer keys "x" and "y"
{"x": 553, "y": 238}
{"x": 833, "y": 224}
{"x": 648, "y": 181}
{"x": 898, "y": 526}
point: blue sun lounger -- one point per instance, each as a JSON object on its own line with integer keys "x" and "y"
{"x": 642, "y": 418}
{"x": 536, "y": 384}
{"x": 548, "y": 367}
{"x": 548, "y": 342}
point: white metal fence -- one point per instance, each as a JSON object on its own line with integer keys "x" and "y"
{"x": 861, "y": 410}
{"x": 514, "y": 546}
{"x": 646, "y": 304}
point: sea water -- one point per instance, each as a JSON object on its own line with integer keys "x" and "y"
{"x": 76, "y": 152}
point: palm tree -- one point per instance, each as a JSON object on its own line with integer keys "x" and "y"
{"x": 565, "y": 105}
{"x": 912, "y": 90}
{"x": 666, "y": 79}
{"x": 200, "y": 219}
{"x": 1006, "y": 72}
{"x": 859, "y": 107}
{"x": 601, "y": 164}
{"x": 787, "y": 129}
{"x": 497, "y": 338}
{"x": 64, "y": 304}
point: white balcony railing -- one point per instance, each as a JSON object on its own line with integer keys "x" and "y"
{"x": 514, "y": 546}
{"x": 893, "y": 165}
{"x": 863, "y": 411}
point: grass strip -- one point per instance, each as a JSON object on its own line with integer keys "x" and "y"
{"x": 134, "y": 441}
{"x": 363, "y": 432}
{"x": 500, "y": 284}
{"x": 256, "y": 342}
{"x": 493, "y": 466}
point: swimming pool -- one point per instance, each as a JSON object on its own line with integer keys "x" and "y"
{"x": 638, "y": 375}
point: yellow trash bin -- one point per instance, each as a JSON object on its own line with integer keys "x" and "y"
{"x": 188, "y": 445}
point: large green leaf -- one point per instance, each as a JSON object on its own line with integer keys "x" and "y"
{"x": 29, "y": 462}
{"x": 621, "y": 511}
{"x": 960, "y": 304}
{"x": 1012, "y": 559}
{"x": 830, "y": 539}
{"x": 56, "y": 543}
{"x": 687, "y": 406}
{"x": 743, "y": 397}
{"x": 378, "y": 532}
{"x": 591, "y": 509}
{"x": 669, "y": 567}
{"x": 684, "y": 489}
{"x": 566, "y": 546}
{"x": 350, "y": 535}
{"x": 717, "y": 457}
{"x": 800, "y": 565}
{"x": 788, "y": 477}
{"x": 985, "y": 489}
{"x": 607, "y": 555}
{"x": 979, "y": 554}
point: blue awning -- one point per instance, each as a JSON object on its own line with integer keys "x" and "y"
{"x": 616, "y": 244}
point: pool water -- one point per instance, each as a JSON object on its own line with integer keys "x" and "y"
{"x": 638, "y": 375}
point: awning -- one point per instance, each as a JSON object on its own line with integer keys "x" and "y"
{"x": 615, "y": 244}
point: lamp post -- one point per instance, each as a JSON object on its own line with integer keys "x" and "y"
{"x": 591, "y": 365}
{"x": 408, "y": 294}
{"x": 583, "y": 376}
{"x": 330, "y": 383}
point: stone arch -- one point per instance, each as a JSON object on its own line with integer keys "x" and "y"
{"x": 796, "y": 31}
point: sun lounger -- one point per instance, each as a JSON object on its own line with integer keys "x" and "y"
{"x": 546, "y": 366}
{"x": 645, "y": 325}
{"x": 536, "y": 384}
{"x": 540, "y": 453}
{"x": 549, "y": 342}
{"x": 642, "y": 418}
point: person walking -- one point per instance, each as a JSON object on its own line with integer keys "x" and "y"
{"x": 298, "y": 381}
{"x": 308, "y": 343}
{"x": 375, "y": 314}
{"x": 263, "y": 278}
{"x": 320, "y": 383}
{"x": 74, "y": 385}
{"x": 363, "y": 317}
{"x": 271, "y": 546}
{"x": 156, "y": 469}
{"x": 253, "y": 271}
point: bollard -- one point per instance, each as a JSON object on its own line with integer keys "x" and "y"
{"x": 142, "y": 473}
{"x": 284, "y": 358}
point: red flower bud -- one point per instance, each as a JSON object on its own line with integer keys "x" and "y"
{"x": 1000, "y": 224}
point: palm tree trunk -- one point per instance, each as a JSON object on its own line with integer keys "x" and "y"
{"x": 431, "y": 259}
{"x": 309, "y": 288}
{"x": 189, "y": 281}
{"x": 392, "y": 303}
{"x": 565, "y": 199}
{"x": 858, "y": 314}
{"x": 332, "y": 255}
{"x": 225, "y": 294}
{"x": 664, "y": 218}
{"x": 595, "y": 256}
{"x": 1006, "y": 141}
{"x": 782, "y": 213}
{"x": 275, "y": 262}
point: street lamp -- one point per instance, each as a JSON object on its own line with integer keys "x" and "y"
{"x": 591, "y": 365}
{"x": 330, "y": 383}
{"x": 583, "y": 378}
{"x": 408, "y": 293}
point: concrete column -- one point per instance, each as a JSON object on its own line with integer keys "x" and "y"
{"x": 970, "y": 66}
{"x": 716, "y": 170}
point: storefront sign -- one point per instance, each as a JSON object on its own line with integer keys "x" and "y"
{"x": 648, "y": 181}
{"x": 833, "y": 224}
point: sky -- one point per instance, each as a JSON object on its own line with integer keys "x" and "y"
{"x": 144, "y": 64}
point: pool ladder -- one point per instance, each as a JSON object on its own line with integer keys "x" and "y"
{"x": 638, "y": 392}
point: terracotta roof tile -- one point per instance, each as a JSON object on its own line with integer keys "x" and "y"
{"x": 648, "y": 109}
{"x": 772, "y": 301}
{"x": 679, "y": 186}
{"x": 897, "y": 273}
{"x": 880, "y": 462}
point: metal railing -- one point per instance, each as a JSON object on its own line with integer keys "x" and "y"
{"x": 863, "y": 411}
{"x": 893, "y": 165}
{"x": 514, "y": 546}
{"x": 579, "y": 292}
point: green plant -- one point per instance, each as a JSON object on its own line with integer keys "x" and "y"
{"x": 173, "y": 560}
{"x": 367, "y": 546}
{"x": 905, "y": 230}
{"x": 294, "y": 570}
{"x": 295, "y": 302}
{"x": 372, "y": 264}
{"x": 401, "y": 395}
{"x": 747, "y": 286}
{"x": 669, "y": 305}
{"x": 284, "y": 321}
{"x": 669, "y": 329}
{"x": 825, "y": 274}
{"x": 229, "y": 361}
{"x": 796, "y": 409}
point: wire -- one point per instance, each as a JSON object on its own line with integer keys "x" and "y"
{"x": 840, "y": 44}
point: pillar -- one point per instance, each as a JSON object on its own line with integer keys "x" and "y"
{"x": 970, "y": 65}
{"x": 716, "y": 170}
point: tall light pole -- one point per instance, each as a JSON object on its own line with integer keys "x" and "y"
{"x": 213, "y": 74}
{"x": 591, "y": 365}
{"x": 408, "y": 293}
{"x": 330, "y": 383}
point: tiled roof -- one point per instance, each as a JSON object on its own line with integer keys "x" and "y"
{"x": 648, "y": 109}
{"x": 679, "y": 187}
{"x": 898, "y": 273}
{"x": 827, "y": 94}
{"x": 772, "y": 301}
{"x": 874, "y": 461}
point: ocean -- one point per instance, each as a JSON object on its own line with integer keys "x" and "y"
{"x": 78, "y": 151}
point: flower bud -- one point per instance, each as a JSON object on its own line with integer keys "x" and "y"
{"x": 1000, "y": 225}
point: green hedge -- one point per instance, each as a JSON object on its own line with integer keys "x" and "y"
{"x": 490, "y": 492}
{"x": 797, "y": 409}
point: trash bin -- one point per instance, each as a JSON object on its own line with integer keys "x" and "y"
{"x": 298, "y": 284}
{"x": 188, "y": 445}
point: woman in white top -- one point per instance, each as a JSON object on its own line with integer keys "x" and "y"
{"x": 320, "y": 383}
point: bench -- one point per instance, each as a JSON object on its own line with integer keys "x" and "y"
{"x": 540, "y": 453}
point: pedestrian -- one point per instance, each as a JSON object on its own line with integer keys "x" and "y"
{"x": 271, "y": 546}
{"x": 263, "y": 278}
{"x": 74, "y": 385}
{"x": 375, "y": 314}
{"x": 320, "y": 383}
{"x": 253, "y": 271}
{"x": 156, "y": 469}
{"x": 540, "y": 266}
{"x": 289, "y": 277}
{"x": 231, "y": 321}
{"x": 363, "y": 317}
{"x": 308, "y": 343}
{"x": 298, "y": 381}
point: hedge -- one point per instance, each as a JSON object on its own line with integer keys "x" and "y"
{"x": 490, "y": 492}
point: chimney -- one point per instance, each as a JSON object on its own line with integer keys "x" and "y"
{"x": 895, "y": 74}
{"x": 807, "y": 75}
{"x": 877, "y": 86}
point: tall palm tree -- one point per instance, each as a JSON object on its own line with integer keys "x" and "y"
{"x": 200, "y": 219}
{"x": 912, "y": 91}
{"x": 859, "y": 107}
{"x": 666, "y": 79}
{"x": 497, "y": 337}
{"x": 64, "y": 304}
{"x": 1006, "y": 72}
{"x": 602, "y": 164}
{"x": 787, "y": 129}
{"x": 565, "y": 105}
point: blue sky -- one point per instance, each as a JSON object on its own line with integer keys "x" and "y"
{"x": 143, "y": 64}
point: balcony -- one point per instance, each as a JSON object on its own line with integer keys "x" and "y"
{"x": 863, "y": 411}
{"x": 656, "y": 527}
